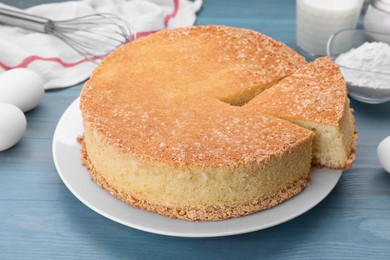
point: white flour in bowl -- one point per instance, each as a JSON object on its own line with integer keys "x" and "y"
{"x": 367, "y": 59}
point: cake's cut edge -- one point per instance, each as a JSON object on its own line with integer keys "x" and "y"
{"x": 195, "y": 214}
{"x": 351, "y": 158}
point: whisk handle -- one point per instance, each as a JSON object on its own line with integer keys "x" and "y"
{"x": 24, "y": 20}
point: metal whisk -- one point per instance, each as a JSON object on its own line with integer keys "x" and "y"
{"x": 93, "y": 36}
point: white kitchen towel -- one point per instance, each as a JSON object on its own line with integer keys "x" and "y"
{"x": 56, "y": 62}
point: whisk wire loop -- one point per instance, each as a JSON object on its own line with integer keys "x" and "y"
{"x": 93, "y": 36}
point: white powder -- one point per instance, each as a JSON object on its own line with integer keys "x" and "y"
{"x": 368, "y": 58}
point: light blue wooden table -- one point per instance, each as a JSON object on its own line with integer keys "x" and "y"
{"x": 41, "y": 219}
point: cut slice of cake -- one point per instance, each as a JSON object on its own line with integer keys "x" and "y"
{"x": 315, "y": 97}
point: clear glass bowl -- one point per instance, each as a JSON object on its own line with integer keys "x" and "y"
{"x": 344, "y": 41}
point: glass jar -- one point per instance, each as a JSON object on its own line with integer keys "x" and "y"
{"x": 317, "y": 20}
{"x": 377, "y": 18}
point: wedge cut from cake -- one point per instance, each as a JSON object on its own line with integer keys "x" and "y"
{"x": 315, "y": 97}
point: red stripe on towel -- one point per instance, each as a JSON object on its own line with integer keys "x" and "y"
{"x": 173, "y": 14}
{"x": 143, "y": 34}
{"x": 33, "y": 58}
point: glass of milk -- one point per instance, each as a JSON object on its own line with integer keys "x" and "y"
{"x": 317, "y": 20}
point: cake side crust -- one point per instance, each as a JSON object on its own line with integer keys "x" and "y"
{"x": 195, "y": 213}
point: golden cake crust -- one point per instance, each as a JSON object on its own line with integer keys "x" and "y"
{"x": 144, "y": 106}
{"x": 169, "y": 126}
{"x": 316, "y": 92}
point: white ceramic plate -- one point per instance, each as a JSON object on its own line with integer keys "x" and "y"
{"x": 66, "y": 153}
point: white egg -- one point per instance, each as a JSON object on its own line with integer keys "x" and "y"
{"x": 22, "y": 88}
{"x": 383, "y": 152}
{"x": 12, "y": 125}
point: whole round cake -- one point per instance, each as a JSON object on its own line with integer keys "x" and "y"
{"x": 172, "y": 125}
